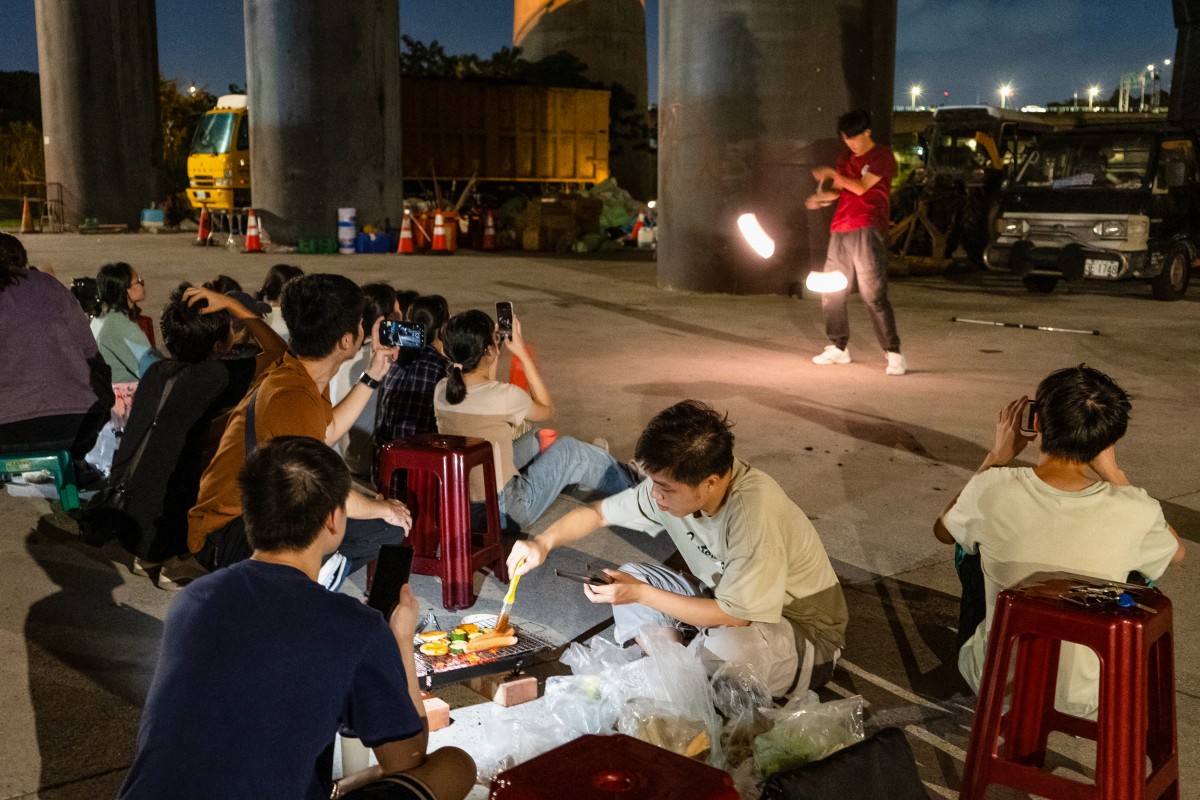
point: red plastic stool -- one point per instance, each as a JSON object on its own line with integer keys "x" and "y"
{"x": 439, "y": 497}
{"x": 611, "y": 768}
{"x": 1137, "y": 691}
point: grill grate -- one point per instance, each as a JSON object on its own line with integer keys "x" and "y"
{"x": 435, "y": 671}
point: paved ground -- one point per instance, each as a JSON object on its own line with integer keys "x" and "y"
{"x": 872, "y": 459}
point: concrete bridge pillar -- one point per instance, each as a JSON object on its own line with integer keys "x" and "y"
{"x": 323, "y": 81}
{"x": 610, "y": 37}
{"x": 98, "y": 69}
{"x": 749, "y": 96}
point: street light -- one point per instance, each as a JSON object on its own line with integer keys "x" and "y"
{"x": 1092, "y": 92}
{"x": 915, "y": 91}
{"x": 1006, "y": 91}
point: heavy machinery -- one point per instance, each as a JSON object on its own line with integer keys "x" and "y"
{"x": 953, "y": 197}
{"x": 451, "y": 130}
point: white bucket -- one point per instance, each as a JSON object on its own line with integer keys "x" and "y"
{"x": 347, "y": 230}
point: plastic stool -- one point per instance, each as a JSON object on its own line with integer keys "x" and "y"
{"x": 607, "y": 767}
{"x": 58, "y": 463}
{"x": 441, "y": 509}
{"x": 1137, "y": 692}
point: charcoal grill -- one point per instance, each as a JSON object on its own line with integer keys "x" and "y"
{"x": 435, "y": 671}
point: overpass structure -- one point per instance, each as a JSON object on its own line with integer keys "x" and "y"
{"x": 749, "y": 94}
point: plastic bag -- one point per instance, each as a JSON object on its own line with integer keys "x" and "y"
{"x": 670, "y": 698}
{"x": 582, "y": 703}
{"x": 741, "y": 697}
{"x": 806, "y": 732}
{"x": 509, "y": 739}
{"x": 101, "y": 455}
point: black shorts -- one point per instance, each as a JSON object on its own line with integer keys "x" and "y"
{"x": 395, "y": 787}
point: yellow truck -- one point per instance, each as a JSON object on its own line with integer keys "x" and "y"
{"x": 219, "y": 163}
{"x": 453, "y": 129}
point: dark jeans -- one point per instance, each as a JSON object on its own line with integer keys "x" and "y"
{"x": 74, "y": 432}
{"x": 972, "y": 608}
{"x": 861, "y": 256}
{"x": 229, "y": 545}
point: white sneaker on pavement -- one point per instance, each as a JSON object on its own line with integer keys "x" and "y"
{"x": 896, "y": 364}
{"x": 832, "y": 354}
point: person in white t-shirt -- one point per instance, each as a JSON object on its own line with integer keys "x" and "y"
{"x": 469, "y": 401}
{"x": 1075, "y": 512}
{"x": 759, "y": 589}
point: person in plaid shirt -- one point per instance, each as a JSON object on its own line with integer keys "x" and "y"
{"x": 406, "y": 402}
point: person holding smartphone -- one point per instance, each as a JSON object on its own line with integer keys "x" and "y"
{"x": 1074, "y": 511}
{"x": 261, "y": 666}
{"x": 759, "y": 589}
{"x": 471, "y": 402}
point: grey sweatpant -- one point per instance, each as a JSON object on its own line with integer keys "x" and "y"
{"x": 861, "y": 256}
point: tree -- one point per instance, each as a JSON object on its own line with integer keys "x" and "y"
{"x": 180, "y": 113}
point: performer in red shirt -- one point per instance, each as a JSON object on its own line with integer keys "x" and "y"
{"x": 861, "y": 187}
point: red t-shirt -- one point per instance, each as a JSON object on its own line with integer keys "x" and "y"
{"x": 872, "y": 207}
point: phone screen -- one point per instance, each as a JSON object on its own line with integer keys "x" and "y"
{"x": 391, "y": 573}
{"x": 1027, "y": 419}
{"x": 504, "y": 318}
{"x": 407, "y": 335}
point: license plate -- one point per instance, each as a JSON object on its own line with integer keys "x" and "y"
{"x": 1097, "y": 268}
{"x": 201, "y": 195}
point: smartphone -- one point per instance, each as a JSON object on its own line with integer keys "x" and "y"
{"x": 391, "y": 573}
{"x": 592, "y": 578}
{"x": 504, "y": 318}
{"x": 1027, "y": 415}
{"x": 407, "y": 335}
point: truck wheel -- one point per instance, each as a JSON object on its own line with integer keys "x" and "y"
{"x": 1041, "y": 284}
{"x": 1171, "y": 283}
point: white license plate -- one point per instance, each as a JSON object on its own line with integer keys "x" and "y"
{"x": 201, "y": 194}
{"x": 1096, "y": 268}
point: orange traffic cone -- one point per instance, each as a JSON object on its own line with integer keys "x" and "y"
{"x": 204, "y": 232}
{"x": 489, "y": 233}
{"x": 26, "y": 218}
{"x": 406, "y": 237}
{"x": 637, "y": 226}
{"x": 253, "y": 242}
{"x": 439, "y": 235}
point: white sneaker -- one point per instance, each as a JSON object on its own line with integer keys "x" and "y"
{"x": 333, "y": 572}
{"x": 896, "y": 364}
{"x": 832, "y": 354}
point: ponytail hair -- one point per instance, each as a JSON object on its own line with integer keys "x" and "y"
{"x": 467, "y": 339}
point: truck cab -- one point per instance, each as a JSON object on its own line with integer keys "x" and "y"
{"x": 219, "y": 162}
{"x": 1103, "y": 202}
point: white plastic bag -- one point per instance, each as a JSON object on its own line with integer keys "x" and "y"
{"x": 806, "y": 732}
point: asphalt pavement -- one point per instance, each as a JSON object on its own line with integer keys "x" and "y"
{"x": 872, "y": 459}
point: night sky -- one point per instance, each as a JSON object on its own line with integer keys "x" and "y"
{"x": 1047, "y": 49}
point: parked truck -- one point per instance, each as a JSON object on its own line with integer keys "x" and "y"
{"x": 1104, "y": 202}
{"x": 952, "y": 198}
{"x": 450, "y": 129}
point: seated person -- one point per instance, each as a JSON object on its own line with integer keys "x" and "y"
{"x": 358, "y": 445}
{"x": 324, "y": 313}
{"x": 471, "y": 402}
{"x": 1075, "y": 511}
{"x": 406, "y": 400}
{"x": 261, "y": 667}
{"x": 272, "y": 290}
{"x": 761, "y": 590}
{"x": 120, "y": 338}
{"x": 41, "y": 324}
{"x": 176, "y": 423}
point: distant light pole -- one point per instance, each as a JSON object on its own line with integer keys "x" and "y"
{"x": 1006, "y": 91}
{"x": 915, "y": 92}
{"x": 1092, "y": 92}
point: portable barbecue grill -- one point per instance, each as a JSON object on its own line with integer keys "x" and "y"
{"x": 435, "y": 671}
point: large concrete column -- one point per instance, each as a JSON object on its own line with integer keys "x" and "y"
{"x": 610, "y": 37}
{"x": 1185, "y": 74}
{"x": 98, "y": 68}
{"x": 324, "y": 92}
{"x": 749, "y": 96}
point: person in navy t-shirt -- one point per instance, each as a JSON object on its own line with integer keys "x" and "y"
{"x": 862, "y": 190}
{"x": 260, "y": 666}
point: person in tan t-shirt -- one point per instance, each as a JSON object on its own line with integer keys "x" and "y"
{"x": 324, "y": 314}
{"x": 471, "y": 402}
